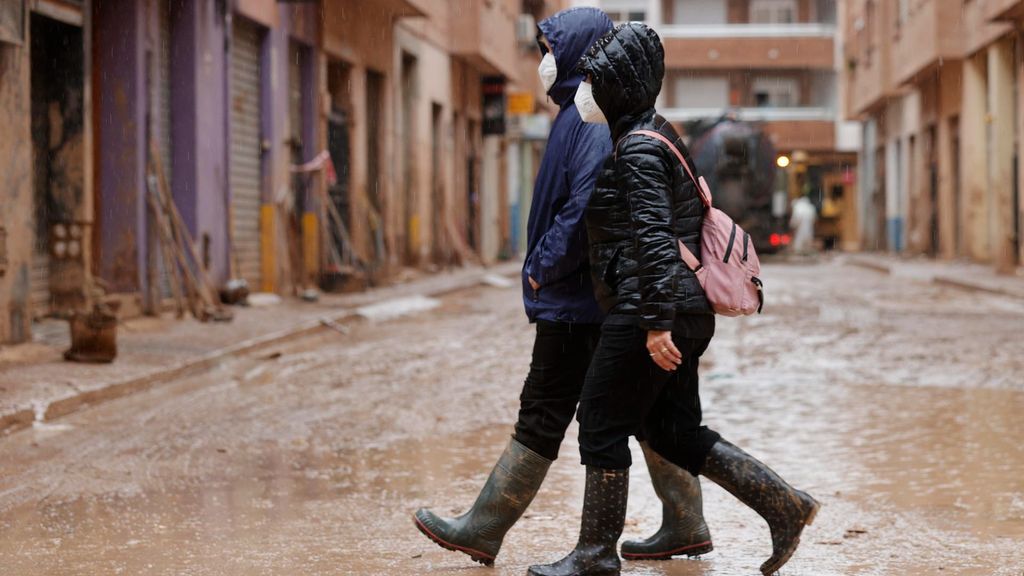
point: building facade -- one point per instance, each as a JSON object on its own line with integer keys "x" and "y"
{"x": 235, "y": 101}
{"x": 776, "y": 63}
{"x": 936, "y": 85}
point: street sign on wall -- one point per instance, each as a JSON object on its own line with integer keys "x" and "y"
{"x": 520, "y": 103}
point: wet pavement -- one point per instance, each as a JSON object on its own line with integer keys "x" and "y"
{"x": 898, "y": 404}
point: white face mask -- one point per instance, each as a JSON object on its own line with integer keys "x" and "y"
{"x": 587, "y": 106}
{"x": 548, "y": 71}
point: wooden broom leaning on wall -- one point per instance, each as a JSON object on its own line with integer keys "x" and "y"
{"x": 190, "y": 281}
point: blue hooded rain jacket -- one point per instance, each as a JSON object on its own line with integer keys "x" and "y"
{"x": 556, "y": 234}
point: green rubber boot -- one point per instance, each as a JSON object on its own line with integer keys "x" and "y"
{"x": 786, "y": 509}
{"x": 683, "y": 531}
{"x": 508, "y": 491}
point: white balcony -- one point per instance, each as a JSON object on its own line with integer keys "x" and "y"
{"x": 802, "y": 114}
{"x": 802, "y": 30}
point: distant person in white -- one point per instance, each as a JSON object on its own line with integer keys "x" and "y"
{"x": 802, "y": 224}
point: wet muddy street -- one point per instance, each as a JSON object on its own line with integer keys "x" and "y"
{"x": 899, "y": 405}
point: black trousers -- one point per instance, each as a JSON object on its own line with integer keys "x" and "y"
{"x": 561, "y": 356}
{"x": 627, "y": 394}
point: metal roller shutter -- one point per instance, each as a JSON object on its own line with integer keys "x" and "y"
{"x": 246, "y": 149}
{"x": 161, "y": 114}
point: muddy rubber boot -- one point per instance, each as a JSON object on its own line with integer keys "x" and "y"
{"x": 786, "y": 509}
{"x": 683, "y": 530}
{"x": 604, "y": 514}
{"x": 509, "y": 489}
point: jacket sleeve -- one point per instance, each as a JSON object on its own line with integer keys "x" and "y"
{"x": 563, "y": 248}
{"x": 645, "y": 173}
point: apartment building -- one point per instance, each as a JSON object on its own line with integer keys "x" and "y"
{"x": 773, "y": 62}
{"x": 237, "y": 100}
{"x": 936, "y": 85}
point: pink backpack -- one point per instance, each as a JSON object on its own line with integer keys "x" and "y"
{"x": 728, "y": 267}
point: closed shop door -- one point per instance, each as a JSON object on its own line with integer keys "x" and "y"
{"x": 246, "y": 150}
{"x": 160, "y": 114}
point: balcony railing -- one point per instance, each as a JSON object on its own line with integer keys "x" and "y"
{"x": 802, "y": 114}
{"x": 802, "y": 30}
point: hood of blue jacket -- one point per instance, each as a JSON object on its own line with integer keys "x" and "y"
{"x": 571, "y": 33}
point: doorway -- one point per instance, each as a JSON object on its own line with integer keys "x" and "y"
{"x": 374, "y": 153}
{"x": 437, "y": 204}
{"x": 339, "y": 144}
{"x": 958, "y": 208}
{"x": 411, "y": 221}
{"x": 472, "y": 194}
{"x": 878, "y": 198}
{"x": 58, "y": 141}
{"x": 933, "y": 192}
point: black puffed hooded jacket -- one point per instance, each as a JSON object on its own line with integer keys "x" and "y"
{"x": 643, "y": 202}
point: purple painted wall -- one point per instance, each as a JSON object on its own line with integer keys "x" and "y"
{"x": 275, "y": 108}
{"x": 200, "y": 71}
{"x": 199, "y": 115}
{"x": 119, "y": 66}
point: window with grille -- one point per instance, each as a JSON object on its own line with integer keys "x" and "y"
{"x": 776, "y": 92}
{"x": 773, "y": 11}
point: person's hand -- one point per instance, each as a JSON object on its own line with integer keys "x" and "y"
{"x": 533, "y": 283}
{"x": 663, "y": 351}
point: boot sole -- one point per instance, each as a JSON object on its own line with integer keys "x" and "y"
{"x": 475, "y": 555}
{"x": 531, "y": 572}
{"x": 796, "y": 543}
{"x": 691, "y": 551}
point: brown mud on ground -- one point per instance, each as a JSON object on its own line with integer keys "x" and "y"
{"x": 898, "y": 406}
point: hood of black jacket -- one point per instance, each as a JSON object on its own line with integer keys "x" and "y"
{"x": 571, "y": 32}
{"x": 626, "y": 66}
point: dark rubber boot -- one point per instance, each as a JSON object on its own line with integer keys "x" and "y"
{"x": 604, "y": 513}
{"x": 786, "y": 509}
{"x": 508, "y": 491}
{"x": 683, "y": 531}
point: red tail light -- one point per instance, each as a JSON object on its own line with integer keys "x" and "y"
{"x": 775, "y": 239}
{"x": 785, "y": 239}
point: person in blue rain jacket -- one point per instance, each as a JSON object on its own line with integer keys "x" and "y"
{"x": 559, "y": 299}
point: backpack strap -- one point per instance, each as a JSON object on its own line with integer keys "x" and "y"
{"x": 702, "y": 186}
{"x": 691, "y": 261}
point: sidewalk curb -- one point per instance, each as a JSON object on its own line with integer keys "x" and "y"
{"x": 937, "y": 279}
{"x": 972, "y": 287}
{"x": 22, "y": 418}
{"x": 870, "y": 265}
{"x": 68, "y": 405}
{"x": 16, "y": 420}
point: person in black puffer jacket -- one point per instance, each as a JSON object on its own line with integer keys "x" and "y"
{"x": 643, "y": 379}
